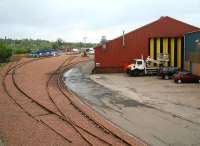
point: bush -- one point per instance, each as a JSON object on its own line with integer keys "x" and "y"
{"x": 5, "y": 53}
{"x": 22, "y": 51}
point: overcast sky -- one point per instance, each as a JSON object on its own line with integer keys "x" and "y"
{"x": 72, "y": 20}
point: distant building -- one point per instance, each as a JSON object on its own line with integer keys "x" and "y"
{"x": 164, "y": 35}
{"x": 192, "y": 52}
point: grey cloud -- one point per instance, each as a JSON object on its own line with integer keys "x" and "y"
{"x": 71, "y": 19}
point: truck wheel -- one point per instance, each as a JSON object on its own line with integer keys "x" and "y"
{"x": 142, "y": 74}
{"x": 136, "y": 72}
{"x": 166, "y": 77}
{"x": 129, "y": 72}
{"x": 179, "y": 81}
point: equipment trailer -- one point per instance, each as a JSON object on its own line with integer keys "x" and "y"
{"x": 150, "y": 66}
{"x": 167, "y": 72}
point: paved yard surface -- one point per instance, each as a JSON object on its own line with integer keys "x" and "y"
{"x": 1, "y": 143}
{"x": 182, "y": 100}
{"x": 159, "y": 112}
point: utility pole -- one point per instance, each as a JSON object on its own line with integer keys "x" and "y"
{"x": 13, "y": 50}
{"x": 84, "y": 49}
{"x": 85, "y": 38}
{"x": 123, "y": 38}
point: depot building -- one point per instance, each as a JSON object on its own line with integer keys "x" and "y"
{"x": 163, "y": 36}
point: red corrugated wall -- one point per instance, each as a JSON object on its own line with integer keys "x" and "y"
{"x": 137, "y": 43}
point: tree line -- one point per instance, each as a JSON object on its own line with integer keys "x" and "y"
{"x": 11, "y": 46}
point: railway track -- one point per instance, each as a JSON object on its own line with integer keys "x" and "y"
{"x": 68, "y": 120}
{"x": 125, "y": 141}
{"x": 10, "y": 73}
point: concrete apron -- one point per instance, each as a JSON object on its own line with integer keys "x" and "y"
{"x": 154, "y": 127}
{"x": 1, "y": 143}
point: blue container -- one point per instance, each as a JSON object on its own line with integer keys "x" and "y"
{"x": 192, "y": 48}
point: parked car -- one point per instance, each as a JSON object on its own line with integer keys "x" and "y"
{"x": 75, "y": 51}
{"x": 90, "y": 51}
{"x": 43, "y": 53}
{"x": 52, "y": 52}
{"x": 37, "y": 53}
{"x": 186, "y": 77}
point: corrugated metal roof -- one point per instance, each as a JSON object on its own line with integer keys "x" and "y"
{"x": 163, "y": 20}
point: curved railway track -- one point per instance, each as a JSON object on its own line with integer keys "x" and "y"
{"x": 67, "y": 118}
{"x": 84, "y": 130}
{"x": 11, "y": 70}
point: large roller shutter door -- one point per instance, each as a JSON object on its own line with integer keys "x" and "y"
{"x": 171, "y": 46}
{"x": 165, "y": 48}
{"x": 172, "y": 52}
{"x": 179, "y": 53}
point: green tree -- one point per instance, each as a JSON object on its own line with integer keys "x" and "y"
{"x": 5, "y": 53}
{"x": 55, "y": 45}
{"x": 60, "y": 42}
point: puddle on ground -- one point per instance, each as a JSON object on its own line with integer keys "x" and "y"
{"x": 77, "y": 79}
{"x": 129, "y": 103}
